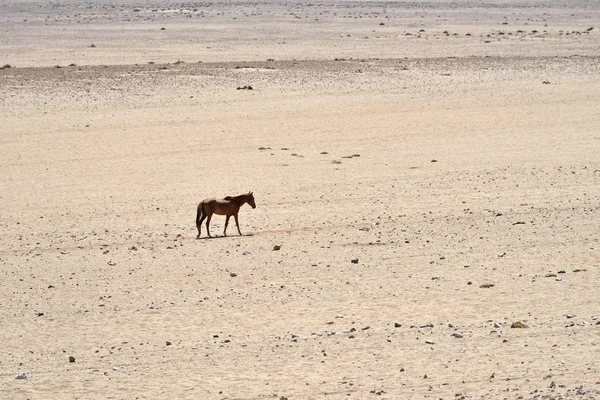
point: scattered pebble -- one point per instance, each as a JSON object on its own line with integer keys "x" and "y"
{"x": 518, "y": 324}
{"x": 71, "y": 359}
{"x": 276, "y": 247}
{"x": 354, "y": 261}
{"x": 457, "y": 335}
{"x": 21, "y": 376}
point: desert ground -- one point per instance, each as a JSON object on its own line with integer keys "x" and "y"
{"x": 427, "y": 180}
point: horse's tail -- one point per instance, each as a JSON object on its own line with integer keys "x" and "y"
{"x": 199, "y": 214}
{"x": 200, "y": 211}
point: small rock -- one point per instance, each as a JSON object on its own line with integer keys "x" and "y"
{"x": 21, "y": 376}
{"x": 354, "y": 261}
{"x": 71, "y": 359}
{"x": 339, "y": 316}
{"x": 457, "y": 335}
{"x": 429, "y": 342}
{"x": 518, "y": 324}
{"x": 169, "y": 343}
{"x": 276, "y": 247}
{"x": 562, "y": 271}
{"x": 497, "y": 325}
{"x": 246, "y": 253}
{"x": 397, "y": 325}
{"x": 232, "y": 274}
{"x": 570, "y": 315}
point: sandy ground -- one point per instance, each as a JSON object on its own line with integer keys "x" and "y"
{"x": 431, "y": 171}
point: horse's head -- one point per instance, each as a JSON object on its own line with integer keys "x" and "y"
{"x": 250, "y": 200}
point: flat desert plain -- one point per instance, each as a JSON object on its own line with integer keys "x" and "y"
{"x": 427, "y": 181}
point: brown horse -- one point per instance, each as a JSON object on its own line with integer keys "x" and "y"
{"x": 228, "y": 206}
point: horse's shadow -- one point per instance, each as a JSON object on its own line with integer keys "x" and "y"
{"x": 223, "y": 237}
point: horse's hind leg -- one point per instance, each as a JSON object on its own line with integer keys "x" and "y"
{"x": 199, "y": 225}
{"x": 208, "y": 217}
{"x": 237, "y": 223}
{"x": 226, "y": 223}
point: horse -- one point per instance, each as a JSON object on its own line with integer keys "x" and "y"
{"x": 228, "y": 206}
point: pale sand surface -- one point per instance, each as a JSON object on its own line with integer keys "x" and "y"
{"x": 102, "y": 165}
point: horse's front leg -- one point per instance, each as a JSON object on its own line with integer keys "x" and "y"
{"x": 226, "y": 223}
{"x": 237, "y": 223}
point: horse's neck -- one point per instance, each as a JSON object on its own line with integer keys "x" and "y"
{"x": 239, "y": 200}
